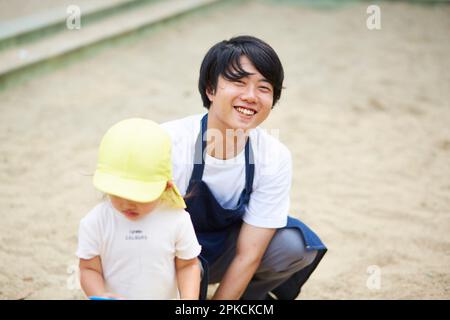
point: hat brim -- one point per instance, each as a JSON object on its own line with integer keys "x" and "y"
{"x": 134, "y": 190}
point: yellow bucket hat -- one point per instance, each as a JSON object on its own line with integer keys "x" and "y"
{"x": 134, "y": 163}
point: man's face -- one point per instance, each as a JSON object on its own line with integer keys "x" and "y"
{"x": 242, "y": 104}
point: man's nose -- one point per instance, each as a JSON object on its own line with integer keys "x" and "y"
{"x": 249, "y": 94}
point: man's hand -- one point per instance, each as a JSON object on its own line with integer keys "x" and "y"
{"x": 251, "y": 245}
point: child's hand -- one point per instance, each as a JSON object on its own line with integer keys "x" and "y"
{"x": 112, "y": 296}
{"x": 107, "y": 296}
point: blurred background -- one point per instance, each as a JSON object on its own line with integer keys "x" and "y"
{"x": 365, "y": 113}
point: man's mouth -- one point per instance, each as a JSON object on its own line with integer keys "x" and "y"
{"x": 245, "y": 111}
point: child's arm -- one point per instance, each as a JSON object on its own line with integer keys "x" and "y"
{"x": 188, "y": 277}
{"x": 91, "y": 278}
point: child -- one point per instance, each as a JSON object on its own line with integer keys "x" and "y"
{"x": 139, "y": 243}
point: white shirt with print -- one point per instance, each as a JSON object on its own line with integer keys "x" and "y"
{"x": 138, "y": 256}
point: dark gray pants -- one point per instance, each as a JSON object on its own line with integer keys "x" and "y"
{"x": 285, "y": 255}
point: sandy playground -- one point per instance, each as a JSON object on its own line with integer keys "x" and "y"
{"x": 365, "y": 113}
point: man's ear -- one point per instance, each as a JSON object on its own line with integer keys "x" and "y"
{"x": 210, "y": 93}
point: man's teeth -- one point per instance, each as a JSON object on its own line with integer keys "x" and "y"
{"x": 245, "y": 111}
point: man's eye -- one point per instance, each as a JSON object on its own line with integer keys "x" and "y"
{"x": 265, "y": 89}
{"x": 239, "y": 82}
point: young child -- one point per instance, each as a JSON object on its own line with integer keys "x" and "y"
{"x": 139, "y": 243}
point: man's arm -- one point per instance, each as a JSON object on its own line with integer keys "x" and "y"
{"x": 251, "y": 245}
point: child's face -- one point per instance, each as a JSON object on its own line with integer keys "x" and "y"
{"x": 133, "y": 210}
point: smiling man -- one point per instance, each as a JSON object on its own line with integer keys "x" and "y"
{"x": 236, "y": 178}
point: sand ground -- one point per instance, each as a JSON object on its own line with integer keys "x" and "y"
{"x": 366, "y": 115}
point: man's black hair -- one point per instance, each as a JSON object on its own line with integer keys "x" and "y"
{"x": 224, "y": 59}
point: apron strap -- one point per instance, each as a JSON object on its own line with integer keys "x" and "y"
{"x": 249, "y": 168}
{"x": 199, "y": 160}
{"x": 200, "y": 147}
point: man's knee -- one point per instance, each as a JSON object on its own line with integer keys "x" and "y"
{"x": 287, "y": 252}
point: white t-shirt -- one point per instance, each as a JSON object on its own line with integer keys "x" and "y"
{"x": 138, "y": 256}
{"x": 269, "y": 200}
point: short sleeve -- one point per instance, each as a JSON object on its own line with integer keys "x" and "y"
{"x": 88, "y": 238}
{"x": 270, "y": 200}
{"x": 186, "y": 246}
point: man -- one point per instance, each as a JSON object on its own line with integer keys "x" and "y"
{"x": 236, "y": 178}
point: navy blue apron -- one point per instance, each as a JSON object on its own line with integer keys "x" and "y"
{"x": 211, "y": 221}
